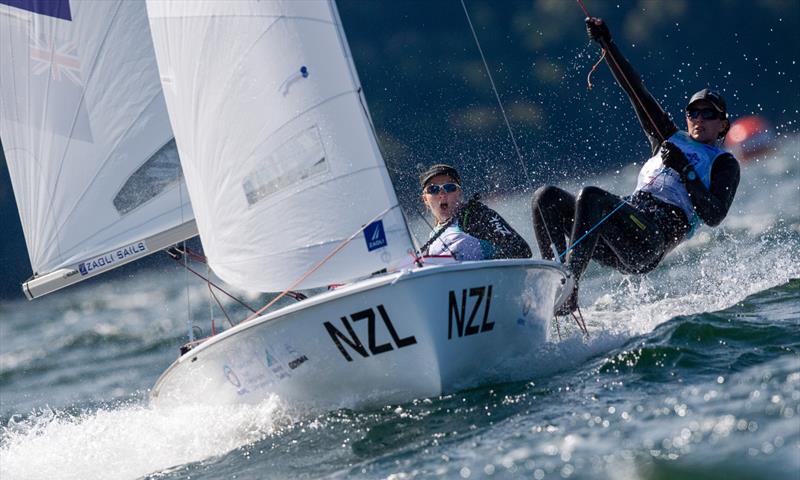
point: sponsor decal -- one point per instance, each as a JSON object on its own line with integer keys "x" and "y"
{"x": 297, "y": 362}
{"x": 107, "y": 260}
{"x": 231, "y": 376}
{"x": 270, "y": 359}
{"x": 473, "y": 301}
{"x": 375, "y": 236}
{"x": 290, "y": 350}
{"x": 352, "y": 340}
{"x": 275, "y": 366}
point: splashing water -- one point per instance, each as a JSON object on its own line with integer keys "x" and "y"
{"x": 129, "y": 441}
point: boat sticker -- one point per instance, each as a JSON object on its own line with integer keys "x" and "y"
{"x": 231, "y": 376}
{"x": 275, "y": 365}
{"x": 290, "y": 350}
{"x": 270, "y": 359}
{"x": 297, "y": 362}
{"x": 375, "y": 235}
{"x": 374, "y": 331}
{"x": 110, "y": 259}
{"x": 473, "y": 301}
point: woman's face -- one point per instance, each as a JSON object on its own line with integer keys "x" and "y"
{"x": 442, "y": 204}
{"x": 705, "y": 130}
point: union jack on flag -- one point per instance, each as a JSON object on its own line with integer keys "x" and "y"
{"x": 58, "y": 61}
{"x": 55, "y": 72}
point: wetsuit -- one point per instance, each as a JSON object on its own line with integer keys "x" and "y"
{"x": 635, "y": 237}
{"x": 495, "y": 237}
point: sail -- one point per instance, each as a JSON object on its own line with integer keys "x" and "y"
{"x": 87, "y": 138}
{"x": 277, "y": 146}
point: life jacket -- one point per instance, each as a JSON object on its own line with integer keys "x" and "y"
{"x": 665, "y": 183}
{"x": 454, "y": 241}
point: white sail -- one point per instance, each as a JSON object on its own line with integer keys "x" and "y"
{"x": 87, "y": 138}
{"x": 278, "y": 150}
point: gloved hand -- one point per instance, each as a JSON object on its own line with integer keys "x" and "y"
{"x": 597, "y": 29}
{"x": 672, "y": 157}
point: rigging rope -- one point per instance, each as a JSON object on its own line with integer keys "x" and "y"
{"x": 320, "y": 263}
{"x": 497, "y": 96}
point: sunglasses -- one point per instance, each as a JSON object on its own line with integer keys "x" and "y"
{"x": 434, "y": 189}
{"x": 706, "y": 113}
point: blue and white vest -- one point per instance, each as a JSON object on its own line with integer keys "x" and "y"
{"x": 665, "y": 183}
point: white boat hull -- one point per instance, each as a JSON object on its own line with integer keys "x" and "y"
{"x": 389, "y": 339}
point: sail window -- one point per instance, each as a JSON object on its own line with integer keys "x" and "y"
{"x": 299, "y": 158}
{"x": 158, "y": 173}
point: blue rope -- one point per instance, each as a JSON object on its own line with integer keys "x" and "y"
{"x": 591, "y": 229}
{"x": 662, "y": 172}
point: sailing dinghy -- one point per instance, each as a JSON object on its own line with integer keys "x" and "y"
{"x": 288, "y": 190}
{"x": 283, "y": 167}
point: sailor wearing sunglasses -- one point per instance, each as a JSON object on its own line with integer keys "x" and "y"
{"x": 688, "y": 180}
{"x": 465, "y": 230}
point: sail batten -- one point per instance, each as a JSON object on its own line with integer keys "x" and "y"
{"x": 280, "y": 158}
{"x": 86, "y": 136}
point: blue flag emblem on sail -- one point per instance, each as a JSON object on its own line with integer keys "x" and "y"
{"x": 375, "y": 236}
{"x": 51, "y": 8}
{"x": 53, "y": 57}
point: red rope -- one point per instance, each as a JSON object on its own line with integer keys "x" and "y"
{"x": 627, "y": 82}
{"x": 594, "y": 67}
{"x": 317, "y": 266}
{"x": 585, "y": 12}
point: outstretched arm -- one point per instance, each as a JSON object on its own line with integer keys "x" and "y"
{"x": 654, "y": 120}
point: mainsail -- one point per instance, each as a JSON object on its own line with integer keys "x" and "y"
{"x": 87, "y": 138}
{"x": 278, "y": 149}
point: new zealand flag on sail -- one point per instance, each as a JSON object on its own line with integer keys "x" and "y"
{"x": 55, "y": 82}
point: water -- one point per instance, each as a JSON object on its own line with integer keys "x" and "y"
{"x": 690, "y": 372}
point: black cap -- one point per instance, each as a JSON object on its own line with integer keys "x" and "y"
{"x": 712, "y": 97}
{"x": 439, "y": 169}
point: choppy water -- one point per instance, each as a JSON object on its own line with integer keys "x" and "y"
{"x": 690, "y": 372}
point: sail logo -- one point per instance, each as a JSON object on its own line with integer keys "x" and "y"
{"x": 352, "y": 340}
{"x": 104, "y": 261}
{"x": 375, "y": 235}
{"x": 473, "y": 301}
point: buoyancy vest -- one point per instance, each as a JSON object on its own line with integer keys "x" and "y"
{"x": 454, "y": 241}
{"x": 665, "y": 183}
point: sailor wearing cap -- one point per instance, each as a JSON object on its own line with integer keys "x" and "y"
{"x": 688, "y": 180}
{"x": 465, "y": 230}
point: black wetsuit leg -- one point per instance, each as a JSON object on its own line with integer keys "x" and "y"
{"x": 628, "y": 240}
{"x": 553, "y": 214}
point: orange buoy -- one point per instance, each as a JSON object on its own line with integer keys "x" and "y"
{"x": 749, "y": 137}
